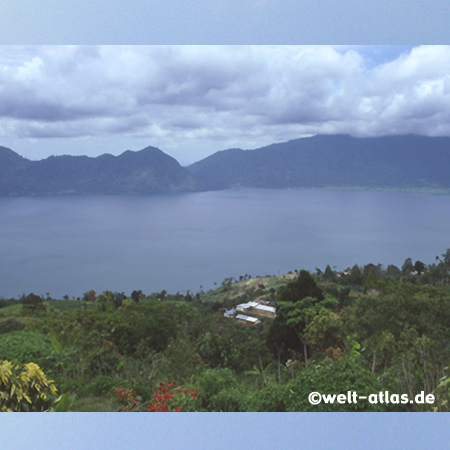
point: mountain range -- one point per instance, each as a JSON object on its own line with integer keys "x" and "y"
{"x": 407, "y": 162}
{"x": 148, "y": 171}
{"x": 404, "y": 162}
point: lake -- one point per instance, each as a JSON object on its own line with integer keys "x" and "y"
{"x": 70, "y": 245}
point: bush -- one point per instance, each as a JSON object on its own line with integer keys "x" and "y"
{"x": 24, "y": 387}
{"x": 220, "y": 390}
{"x": 26, "y": 347}
{"x": 77, "y": 385}
{"x": 142, "y": 388}
{"x": 9, "y": 325}
{"x": 103, "y": 359}
{"x": 335, "y": 377}
{"x": 271, "y": 398}
{"x": 216, "y": 350}
{"x": 102, "y": 386}
{"x": 32, "y": 302}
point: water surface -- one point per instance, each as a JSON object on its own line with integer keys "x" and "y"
{"x": 69, "y": 245}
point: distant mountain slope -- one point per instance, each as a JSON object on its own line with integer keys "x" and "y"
{"x": 148, "y": 171}
{"x": 398, "y": 162}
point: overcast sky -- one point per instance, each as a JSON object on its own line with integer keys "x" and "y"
{"x": 191, "y": 101}
{"x": 224, "y": 21}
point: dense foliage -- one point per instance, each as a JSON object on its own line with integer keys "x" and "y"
{"x": 366, "y": 329}
{"x": 404, "y": 162}
{"x": 148, "y": 171}
{"x": 25, "y": 388}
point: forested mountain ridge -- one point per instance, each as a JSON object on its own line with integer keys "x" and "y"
{"x": 147, "y": 171}
{"x": 404, "y": 162}
{"x": 408, "y": 162}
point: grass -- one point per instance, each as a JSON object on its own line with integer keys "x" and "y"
{"x": 249, "y": 288}
{"x": 64, "y": 305}
{"x": 10, "y": 311}
{"x": 95, "y": 404}
{"x": 61, "y": 305}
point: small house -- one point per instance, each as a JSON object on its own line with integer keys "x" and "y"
{"x": 264, "y": 310}
{"x": 230, "y": 313}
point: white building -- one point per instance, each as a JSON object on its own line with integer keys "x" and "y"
{"x": 247, "y": 319}
{"x": 257, "y": 309}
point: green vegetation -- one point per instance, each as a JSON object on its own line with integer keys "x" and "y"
{"x": 367, "y": 329}
{"x": 148, "y": 171}
{"x": 406, "y": 163}
{"x": 25, "y": 388}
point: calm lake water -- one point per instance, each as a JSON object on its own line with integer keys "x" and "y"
{"x": 69, "y": 245}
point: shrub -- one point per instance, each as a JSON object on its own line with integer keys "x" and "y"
{"x": 32, "y": 302}
{"x": 103, "y": 359}
{"x": 271, "y": 398}
{"x": 162, "y": 399}
{"x": 102, "y": 385}
{"x": 24, "y": 387}
{"x": 9, "y": 325}
{"x": 220, "y": 390}
{"x": 26, "y": 347}
{"x": 335, "y": 377}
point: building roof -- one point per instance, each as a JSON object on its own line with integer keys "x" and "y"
{"x": 229, "y": 313}
{"x": 266, "y": 308}
{"x": 247, "y": 318}
{"x": 247, "y": 305}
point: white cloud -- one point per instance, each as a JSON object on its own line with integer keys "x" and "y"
{"x": 219, "y": 95}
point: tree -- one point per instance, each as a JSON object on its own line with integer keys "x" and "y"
{"x": 323, "y": 329}
{"x": 297, "y": 297}
{"x": 419, "y": 266}
{"x": 32, "y": 301}
{"x": 393, "y": 271}
{"x": 407, "y": 267}
{"x": 105, "y": 301}
{"x": 89, "y": 296}
{"x": 136, "y": 295}
{"x": 304, "y": 286}
{"x": 446, "y": 257}
{"x": 372, "y": 271}
{"x": 118, "y": 298}
{"x": 329, "y": 274}
{"x": 356, "y": 276}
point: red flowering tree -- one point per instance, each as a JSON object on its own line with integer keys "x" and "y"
{"x": 162, "y": 399}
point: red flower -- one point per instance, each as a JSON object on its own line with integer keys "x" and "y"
{"x": 162, "y": 398}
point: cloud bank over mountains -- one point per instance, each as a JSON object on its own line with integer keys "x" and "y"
{"x": 191, "y": 101}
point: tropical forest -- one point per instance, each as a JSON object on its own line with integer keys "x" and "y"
{"x": 255, "y": 343}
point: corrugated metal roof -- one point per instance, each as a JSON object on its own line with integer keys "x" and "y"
{"x": 266, "y": 308}
{"x": 247, "y": 318}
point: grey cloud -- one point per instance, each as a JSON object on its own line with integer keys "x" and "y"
{"x": 81, "y": 128}
{"x": 210, "y": 92}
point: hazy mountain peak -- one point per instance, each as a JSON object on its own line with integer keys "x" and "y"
{"x": 147, "y": 171}
{"x": 335, "y": 161}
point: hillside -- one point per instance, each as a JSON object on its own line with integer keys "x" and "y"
{"x": 406, "y": 162}
{"x": 148, "y": 171}
{"x": 368, "y": 329}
